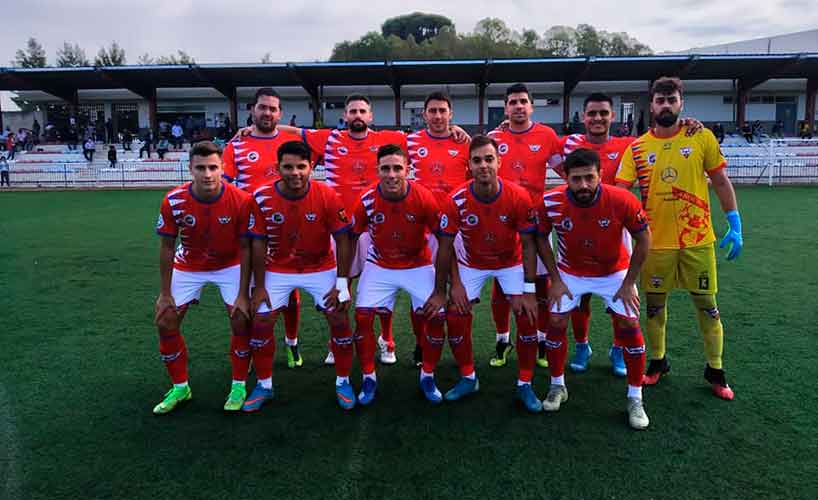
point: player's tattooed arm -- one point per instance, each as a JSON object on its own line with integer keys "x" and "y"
{"x": 627, "y": 292}
{"x": 165, "y": 302}
{"x": 459, "y": 135}
{"x": 242, "y": 302}
{"x": 258, "y": 254}
{"x": 437, "y": 299}
{"x": 693, "y": 125}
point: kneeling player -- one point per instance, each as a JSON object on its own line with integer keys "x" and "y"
{"x": 211, "y": 218}
{"x": 589, "y": 218}
{"x": 492, "y": 216}
{"x": 398, "y": 214}
{"x": 292, "y": 242}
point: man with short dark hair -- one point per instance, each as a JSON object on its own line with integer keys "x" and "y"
{"x": 211, "y": 218}
{"x": 672, "y": 170}
{"x": 586, "y": 210}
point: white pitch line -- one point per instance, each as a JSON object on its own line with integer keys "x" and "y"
{"x": 10, "y": 449}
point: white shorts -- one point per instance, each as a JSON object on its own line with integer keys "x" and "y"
{"x": 186, "y": 286}
{"x": 280, "y": 285}
{"x": 511, "y": 279}
{"x": 602, "y": 286}
{"x": 378, "y": 286}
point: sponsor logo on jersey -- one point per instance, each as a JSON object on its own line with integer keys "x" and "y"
{"x": 444, "y": 221}
{"x": 612, "y": 156}
{"x": 225, "y": 219}
{"x": 160, "y": 221}
{"x": 652, "y": 159}
{"x": 534, "y": 147}
{"x": 378, "y": 218}
{"x": 453, "y": 152}
{"x": 472, "y": 220}
{"x": 278, "y": 218}
{"x": 656, "y": 281}
{"x": 310, "y": 216}
{"x": 686, "y": 151}
{"x": 604, "y": 223}
{"x": 358, "y": 167}
{"x": 410, "y": 217}
{"x": 342, "y": 215}
{"x": 502, "y": 148}
{"x": 189, "y": 220}
{"x": 518, "y": 166}
{"x": 588, "y": 243}
{"x": 342, "y": 150}
{"x": 490, "y": 237}
{"x": 252, "y": 156}
{"x": 437, "y": 168}
{"x": 669, "y": 175}
{"x": 423, "y": 152}
{"x": 667, "y": 146}
{"x": 396, "y": 236}
{"x": 567, "y": 224}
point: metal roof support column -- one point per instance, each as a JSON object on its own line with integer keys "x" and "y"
{"x": 481, "y": 106}
{"x": 233, "y": 105}
{"x": 809, "y": 108}
{"x": 396, "y": 91}
{"x": 742, "y": 94}
{"x": 153, "y": 118}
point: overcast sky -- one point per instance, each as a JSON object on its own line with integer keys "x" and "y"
{"x": 244, "y": 30}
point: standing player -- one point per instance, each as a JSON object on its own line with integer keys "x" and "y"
{"x": 250, "y": 161}
{"x": 440, "y": 163}
{"x": 589, "y": 217}
{"x": 399, "y": 215}
{"x": 526, "y": 149}
{"x": 211, "y": 218}
{"x": 296, "y": 218}
{"x": 493, "y": 217}
{"x": 672, "y": 169}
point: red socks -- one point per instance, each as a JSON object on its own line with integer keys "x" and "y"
{"x": 292, "y": 315}
{"x": 526, "y": 347}
{"x": 385, "y": 315}
{"x": 433, "y": 345}
{"x": 633, "y": 344}
{"x": 263, "y": 345}
{"x": 419, "y": 325}
{"x": 340, "y": 343}
{"x": 173, "y": 352}
{"x": 460, "y": 340}
{"x": 500, "y": 309}
{"x": 365, "y": 338}
{"x": 557, "y": 350}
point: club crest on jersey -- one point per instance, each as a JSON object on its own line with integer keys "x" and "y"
{"x": 686, "y": 151}
{"x": 310, "y": 216}
{"x": 444, "y": 221}
{"x": 534, "y": 147}
{"x": 453, "y": 152}
{"x": 278, "y": 218}
{"x": 604, "y": 223}
{"x": 612, "y": 156}
{"x": 503, "y": 218}
{"x": 502, "y": 148}
{"x": 378, "y": 218}
{"x": 423, "y": 152}
{"x": 189, "y": 220}
{"x": 472, "y": 220}
{"x": 669, "y": 175}
{"x": 225, "y": 219}
{"x": 567, "y": 224}
{"x": 160, "y": 221}
{"x": 342, "y": 150}
{"x": 252, "y": 156}
{"x": 652, "y": 159}
{"x": 342, "y": 215}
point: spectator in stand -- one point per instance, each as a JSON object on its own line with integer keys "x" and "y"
{"x": 292, "y": 121}
{"x": 11, "y": 144}
{"x": 22, "y": 139}
{"x": 778, "y": 130}
{"x": 35, "y": 132}
{"x": 147, "y": 143}
{"x": 109, "y": 132}
{"x": 3, "y": 136}
{"x": 718, "y": 131}
{"x": 127, "y": 140}
{"x": 630, "y": 124}
{"x": 640, "y": 125}
{"x": 228, "y": 128}
{"x": 747, "y": 132}
{"x": 89, "y": 148}
{"x": 178, "y": 134}
{"x": 758, "y": 130}
{"x": 4, "y": 172}
{"x": 341, "y": 124}
{"x": 112, "y": 156}
{"x": 805, "y": 132}
{"x": 72, "y": 138}
{"x": 162, "y": 147}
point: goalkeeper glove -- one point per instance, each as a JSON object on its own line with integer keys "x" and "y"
{"x": 733, "y": 237}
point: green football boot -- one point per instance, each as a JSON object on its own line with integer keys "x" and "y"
{"x": 238, "y": 393}
{"x": 173, "y": 397}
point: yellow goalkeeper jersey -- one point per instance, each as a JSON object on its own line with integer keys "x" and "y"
{"x": 672, "y": 177}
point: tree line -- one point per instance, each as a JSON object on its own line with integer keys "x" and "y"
{"x": 71, "y": 55}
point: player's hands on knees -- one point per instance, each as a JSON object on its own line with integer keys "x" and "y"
{"x": 242, "y": 305}
{"x": 433, "y": 304}
{"x": 693, "y": 125}
{"x": 556, "y": 292}
{"x": 259, "y": 297}
{"x": 629, "y": 296}
{"x": 334, "y": 301}
{"x": 459, "y": 298}
{"x": 164, "y": 303}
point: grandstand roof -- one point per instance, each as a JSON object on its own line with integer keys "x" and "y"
{"x": 753, "y": 68}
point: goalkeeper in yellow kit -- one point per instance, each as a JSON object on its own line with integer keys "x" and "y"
{"x": 672, "y": 171}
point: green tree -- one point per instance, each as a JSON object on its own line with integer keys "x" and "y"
{"x": 33, "y": 56}
{"x": 493, "y": 29}
{"x": 419, "y": 25}
{"x": 114, "y": 55}
{"x": 588, "y": 42}
{"x": 71, "y": 56}
{"x": 181, "y": 57}
{"x": 145, "y": 60}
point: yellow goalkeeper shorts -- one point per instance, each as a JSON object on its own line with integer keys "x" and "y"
{"x": 692, "y": 269}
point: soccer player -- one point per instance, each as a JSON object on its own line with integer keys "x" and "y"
{"x": 672, "y": 169}
{"x": 495, "y": 218}
{"x": 399, "y": 215}
{"x": 526, "y": 149}
{"x": 210, "y": 217}
{"x": 440, "y": 162}
{"x": 295, "y": 220}
{"x": 250, "y": 161}
{"x": 589, "y": 217}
